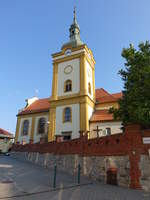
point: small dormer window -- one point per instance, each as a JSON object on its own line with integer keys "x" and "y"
{"x": 68, "y": 86}
{"x": 68, "y": 52}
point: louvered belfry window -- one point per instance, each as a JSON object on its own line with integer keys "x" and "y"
{"x": 68, "y": 86}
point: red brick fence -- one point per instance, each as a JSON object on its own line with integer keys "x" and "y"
{"x": 129, "y": 143}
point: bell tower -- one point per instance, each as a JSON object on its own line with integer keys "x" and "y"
{"x": 73, "y": 88}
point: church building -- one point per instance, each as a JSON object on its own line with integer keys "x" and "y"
{"x": 75, "y": 106}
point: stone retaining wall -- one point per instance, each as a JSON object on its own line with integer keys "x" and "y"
{"x": 94, "y": 167}
{"x": 127, "y": 155}
{"x": 145, "y": 172}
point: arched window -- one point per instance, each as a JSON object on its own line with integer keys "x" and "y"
{"x": 67, "y": 115}
{"x": 89, "y": 88}
{"x": 68, "y": 86}
{"x": 25, "y": 127}
{"x": 41, "y": 125}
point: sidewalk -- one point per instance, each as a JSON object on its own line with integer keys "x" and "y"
{"x": 24, "y": 179}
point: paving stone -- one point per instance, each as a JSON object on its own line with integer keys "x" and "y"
{"x": 26, "y": 177}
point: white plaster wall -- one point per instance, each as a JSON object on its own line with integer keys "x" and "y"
{"x": 89, "y": 78}
{"x": 36, "y": 135}
{"x": 31, "y": 100}
{"x": 90, "y": 112}
{"x": 73, "y": 126}
{"x": 74, "y": 76}
{"x": 5, "y": 144}
{"x": 25, "y": 138}
{"x": 115, "y": 127}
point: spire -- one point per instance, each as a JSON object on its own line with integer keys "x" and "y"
{"x": 74, "y": 18}
{"x": 74, "y": 32}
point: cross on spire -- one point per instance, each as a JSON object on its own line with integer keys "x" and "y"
{"x": 74, "y": 18}
{"x": 74, "y": 33}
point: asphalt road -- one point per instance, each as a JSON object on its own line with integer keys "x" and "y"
{"x": 25, "y": 181}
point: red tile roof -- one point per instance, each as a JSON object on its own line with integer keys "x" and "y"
{"x": 40, "y": 105}
{"x": 5, "y": 133}
{"x": 102, "y": 96}
{"x": 101, "y": 116}
{"x": 101, "y": 93}
{"x": 117, "y": 95}
{"x": 43, "y": 105}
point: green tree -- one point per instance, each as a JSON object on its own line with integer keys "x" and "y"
{"x": 134, "y": 106}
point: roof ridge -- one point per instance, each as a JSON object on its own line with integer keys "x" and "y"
{"x": 37, "y": 106}
{"x": 5, "y": 131}
{"x": 116, "y": 93}
{"x": 43, "y": 98}
{"x": 102, "y": 89}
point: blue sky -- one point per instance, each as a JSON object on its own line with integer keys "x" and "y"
{"x": 31, "y": 30}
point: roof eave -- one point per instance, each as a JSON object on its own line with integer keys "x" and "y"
{"x": 95, "y": 121}
{"x": 32, "y": 112}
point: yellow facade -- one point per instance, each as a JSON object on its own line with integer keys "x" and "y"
{"x": 82, "y": 97}
{"x": 85, "y": 102}
{"x": 52, "y": 119}
{"x": 33, "y": 117}
{"x": 17, "y": 129}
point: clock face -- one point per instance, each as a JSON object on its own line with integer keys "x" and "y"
{"x": 68, "y": 52}
{"x": 68, "y": 69}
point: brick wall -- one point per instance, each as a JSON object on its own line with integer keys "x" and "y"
{"x": 130, "y": 144}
